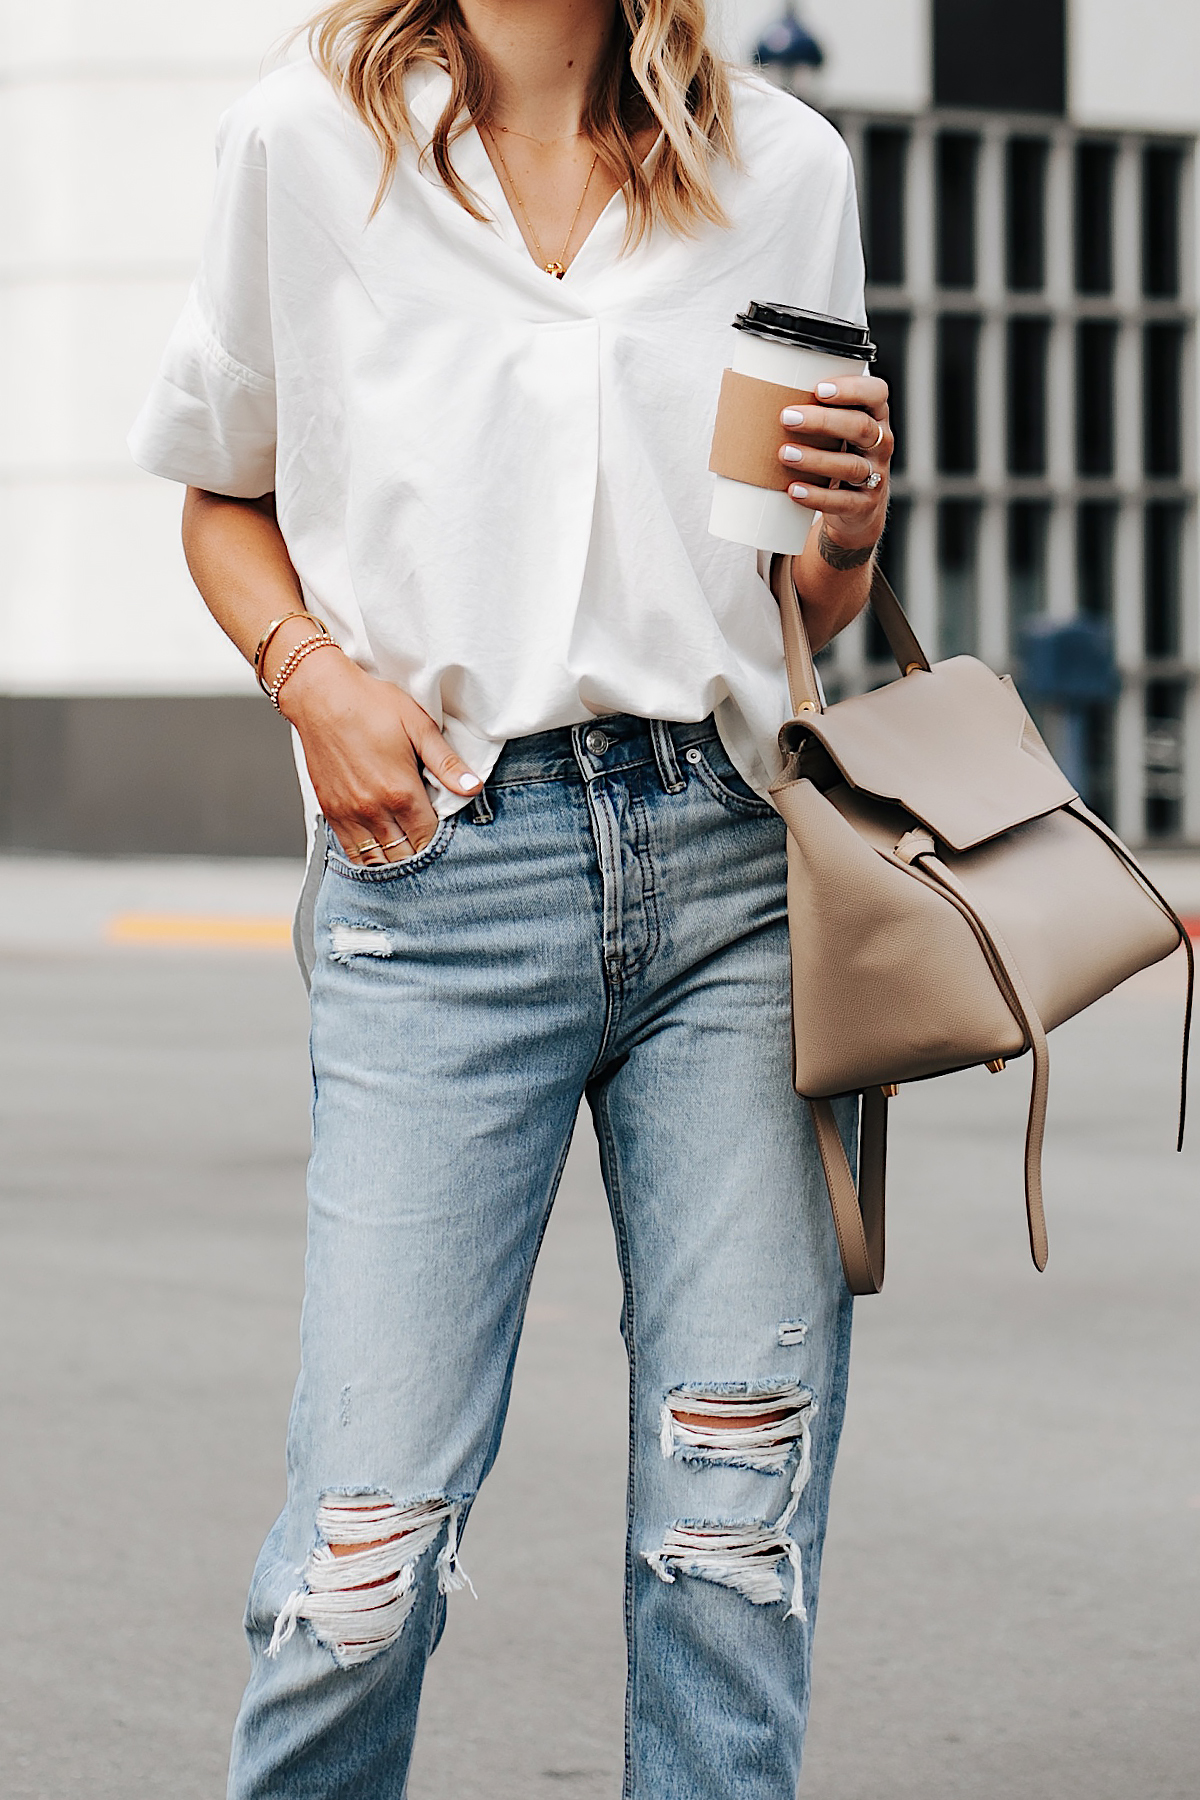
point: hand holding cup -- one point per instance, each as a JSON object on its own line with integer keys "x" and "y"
{"x": 790, "y": 362}
{"x": 840, "y": 450}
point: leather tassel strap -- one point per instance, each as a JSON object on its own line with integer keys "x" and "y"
{"x": 858, "y": 1216}
{"x": 1020, "y": 1003}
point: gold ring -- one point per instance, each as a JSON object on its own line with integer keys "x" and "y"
{"x": 396, "y": 843}
{"x": 879, "y": 439}
{"x": 371, "y": 844}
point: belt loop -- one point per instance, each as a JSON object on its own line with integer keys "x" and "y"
{"x": 481, "y": 811}
{"x": 665, "y": 757}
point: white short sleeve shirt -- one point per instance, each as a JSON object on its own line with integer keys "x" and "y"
{"x": 493, "y": 485}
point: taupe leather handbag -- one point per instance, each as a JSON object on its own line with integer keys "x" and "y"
{"x": 951, "y": 900}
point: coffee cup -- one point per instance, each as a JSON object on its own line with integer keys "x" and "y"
{"x": 781, "y": 355}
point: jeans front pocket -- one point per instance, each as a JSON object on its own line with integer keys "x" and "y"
{"x": 337, "y": 860}
{"x": 711, "y": 763}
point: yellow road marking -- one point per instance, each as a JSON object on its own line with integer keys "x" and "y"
{"x": 183, "y": 928}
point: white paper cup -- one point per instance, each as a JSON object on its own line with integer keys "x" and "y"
{"x": 768, "y": 518}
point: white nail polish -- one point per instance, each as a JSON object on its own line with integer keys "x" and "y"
{"x": 797, "y": 492}
{"x": 469, "y": 784}
{"x": 792, "y": 416}
{"x": 826, "y": 390}
{"x": 793, "y": 453}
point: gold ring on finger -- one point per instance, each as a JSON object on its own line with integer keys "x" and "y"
{"x": 880, "y": 438}
{"x": 371, "y": 844}
{"x": 396, "y": 843}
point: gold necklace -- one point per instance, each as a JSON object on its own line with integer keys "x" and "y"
{"x": 569, "y": 137}
{"x": 557, "y": 265}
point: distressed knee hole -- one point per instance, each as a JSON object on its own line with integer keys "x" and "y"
{"x": 359, "y": 1582}
{"x": 750, "y": 1559}
{"x": 744, "y": 1427}
{"x": 763, "y": 1429}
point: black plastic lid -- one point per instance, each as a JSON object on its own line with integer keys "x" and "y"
{"x": 807, "y": 330}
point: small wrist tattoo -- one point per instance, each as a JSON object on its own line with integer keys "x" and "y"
{"x": 839, "y": 558}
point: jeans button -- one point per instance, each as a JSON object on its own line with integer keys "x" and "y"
{"x": 596, "y": 743}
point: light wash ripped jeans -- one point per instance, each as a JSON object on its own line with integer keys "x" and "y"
{"x": 607, "y": 921}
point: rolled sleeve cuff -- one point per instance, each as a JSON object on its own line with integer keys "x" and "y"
{"x": 207, "y": 422}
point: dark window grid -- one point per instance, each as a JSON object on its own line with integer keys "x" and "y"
{"x": 1083, "y": 306}
{"x": 1028, "y": 545}
{"x": 1025, "y": 213}
{"x": 1008, "y": 55}
{"x": 893, "y": 560}
{"x": 1162, "y": 399}
{"x": 890, "y": 332}
{"x": 1027, "y": 359}
{"x": 958, "y": 582}
{"x": 1099, "y": 746}
{"x": 1162, "y": 194}
{"x": 957, "y": 177}
{"x": 1163, "y": 552}
{"x": 1095, "y": 396}
{"x": 1163, "y": 750}
{"x": 1095, "y": 172}
{"x": 1096, "y": 558}
{"x": 885, "y": 156}
{"x": 958, "y": 393}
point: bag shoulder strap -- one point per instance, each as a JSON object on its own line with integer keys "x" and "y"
{"x": 858, "y": 1212}
{"x": 803, "y": 686}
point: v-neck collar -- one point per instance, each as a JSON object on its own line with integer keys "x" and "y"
{"x": 429, "y": 89}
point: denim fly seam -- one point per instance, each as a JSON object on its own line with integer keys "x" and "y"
{"x": 621, "y": 831}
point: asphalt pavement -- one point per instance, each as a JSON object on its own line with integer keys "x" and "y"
{"x": 1011, "y": 1602}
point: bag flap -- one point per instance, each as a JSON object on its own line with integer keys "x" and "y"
{"x": 953, "y": 745}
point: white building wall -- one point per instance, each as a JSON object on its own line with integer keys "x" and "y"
{"x": 1135, "y": 65}
{"x": 107, "y": 115}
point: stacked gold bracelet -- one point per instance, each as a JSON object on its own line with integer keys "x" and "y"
{"x": 268, "y": 638}
{"x": 292, "y": 662}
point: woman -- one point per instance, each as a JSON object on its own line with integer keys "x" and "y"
{"x": 446, "y": 382}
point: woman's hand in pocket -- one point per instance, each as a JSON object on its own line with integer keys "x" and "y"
{"x": 365, "y": 743}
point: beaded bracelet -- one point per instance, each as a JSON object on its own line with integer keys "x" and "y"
{"x": 265, "y": 641}
{"x": 292, "y": 662}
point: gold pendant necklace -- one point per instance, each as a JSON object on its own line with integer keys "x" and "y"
{"x": 555, "y": 265}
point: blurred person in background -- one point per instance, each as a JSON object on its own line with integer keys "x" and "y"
{"x": 441, "y": 399}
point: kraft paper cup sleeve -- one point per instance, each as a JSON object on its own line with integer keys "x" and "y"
{"x": 746, "y": 440}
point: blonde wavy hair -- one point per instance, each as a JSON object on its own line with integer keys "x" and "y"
{"x": 660, "y": 70}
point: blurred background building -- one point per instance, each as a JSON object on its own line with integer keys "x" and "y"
{"x": 1029, "y": 211}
